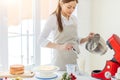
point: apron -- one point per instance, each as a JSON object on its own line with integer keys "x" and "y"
{"x": 63, "y": 57}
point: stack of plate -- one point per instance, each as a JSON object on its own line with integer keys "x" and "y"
{"x": 46, "y": 72}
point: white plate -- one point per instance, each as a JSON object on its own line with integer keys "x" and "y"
{"x": 47, "y": 77}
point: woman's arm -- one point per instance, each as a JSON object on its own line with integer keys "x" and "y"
{"x": 48, "y": 28}
{"x": 83, "y": 40}
{"x": 53, "y": 45}
{"x": 60, "y": 46}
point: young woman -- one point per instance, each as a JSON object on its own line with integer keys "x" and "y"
{"x": 62, "y": 27}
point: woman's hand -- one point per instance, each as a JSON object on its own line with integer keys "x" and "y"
{"x": 83, "y": 40}
{"x": 91, "y": 35}
{"x": 66, "y": 46}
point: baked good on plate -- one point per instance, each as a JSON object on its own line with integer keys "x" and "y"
{"x": 17, "y": 69}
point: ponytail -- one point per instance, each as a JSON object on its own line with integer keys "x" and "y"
{"x": 58, "y": 14}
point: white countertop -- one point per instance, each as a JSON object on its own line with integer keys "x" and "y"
{"x": 80, "y": 76}
{"x": 60, "y": 73}
{"x": 86, "y": 78}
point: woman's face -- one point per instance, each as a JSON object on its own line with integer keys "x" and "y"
{"x": 68, "y": 8}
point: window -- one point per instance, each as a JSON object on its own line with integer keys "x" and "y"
{"x": 20, "y": 32}
{"x": 20, "y": 43}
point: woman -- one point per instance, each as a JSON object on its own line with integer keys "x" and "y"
{"x": 62, "y": 26}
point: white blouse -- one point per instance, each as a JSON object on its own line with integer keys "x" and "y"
{"x": 48, "y": 33}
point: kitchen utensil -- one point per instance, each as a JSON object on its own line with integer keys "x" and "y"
{"x": 75, "y": 51}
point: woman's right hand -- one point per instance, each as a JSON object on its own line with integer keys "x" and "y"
{"x": 66, "y": 46}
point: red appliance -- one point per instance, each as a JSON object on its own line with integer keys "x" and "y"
{"x": 111, "y": 66}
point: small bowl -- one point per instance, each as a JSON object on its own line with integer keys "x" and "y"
{"x": 47, "y": 70}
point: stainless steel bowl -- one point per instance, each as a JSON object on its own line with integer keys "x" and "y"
{"x": 96, "y": 45}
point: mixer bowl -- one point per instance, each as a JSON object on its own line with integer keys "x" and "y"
{"x": 96, "y": 45}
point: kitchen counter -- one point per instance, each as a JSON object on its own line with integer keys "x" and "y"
{"x": 59, "y": 74}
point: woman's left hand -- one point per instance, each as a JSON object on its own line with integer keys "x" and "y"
{"x": 91, "y": 35}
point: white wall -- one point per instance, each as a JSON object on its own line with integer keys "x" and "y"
{"x": 106, "y": 21}
{"x": 84, "y": 18}
{"x": 106, "y": 17}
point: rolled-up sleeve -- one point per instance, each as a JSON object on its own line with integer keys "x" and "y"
{"x": 43, "y": 38}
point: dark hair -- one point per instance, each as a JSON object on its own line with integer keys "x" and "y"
{"x": 58, "y": 14}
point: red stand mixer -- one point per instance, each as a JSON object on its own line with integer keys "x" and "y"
{"x": 111, "y": 65}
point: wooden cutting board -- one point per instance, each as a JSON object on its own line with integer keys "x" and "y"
{"x": 27, "y": 74}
